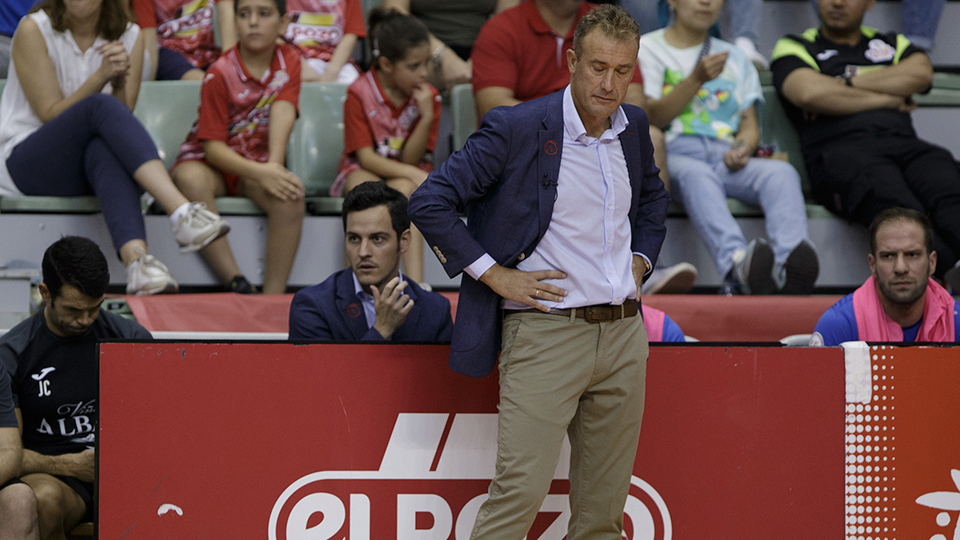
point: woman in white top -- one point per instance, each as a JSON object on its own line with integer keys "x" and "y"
{"x": 704, "y": 93}
{"x": 66, "y": 129}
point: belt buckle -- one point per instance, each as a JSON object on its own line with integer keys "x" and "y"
{"x": 598, "y": 314}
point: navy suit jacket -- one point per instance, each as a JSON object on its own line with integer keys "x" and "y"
{"x": 331, "y": 311}
{"x": 505, "y": 179}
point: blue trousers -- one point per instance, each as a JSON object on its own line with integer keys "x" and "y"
{"x": 698, "y": 173}
{"x": 92, "y": 148}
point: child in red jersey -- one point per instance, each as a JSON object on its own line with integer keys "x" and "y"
{"x": 391, "y": 117}
{"x": 326, "y": 32}
{"x": 179, "y": 35}
{"x": 248, "y": 105}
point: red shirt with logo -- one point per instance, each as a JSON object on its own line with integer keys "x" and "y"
{"x": 370, "y": 119}
{"x": 517, "y": 49}
{"x": 318, "y": 26}
{"x": 182, "y": 26}
{"x": 235, "y": 106}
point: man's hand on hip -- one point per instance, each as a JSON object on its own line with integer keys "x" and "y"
{"x": 391, "y": 305}
{"x": 524, "y": 287}
{"x": 640, "y": 268}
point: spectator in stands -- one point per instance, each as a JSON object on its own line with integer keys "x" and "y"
{"x": 847, "y": 89}
{"x": 704, "y": 93}
{"x": 742, "y": 21}
{"x": 52, "y": 359}
{"x": 660, "y": 327}
{"x": 453, "y": 28}
{"x": 391, "y": 118}
{"x": 238, "y": 146}
{"x": 520, "y": 55}
{"x": 18, "y": 504}
{"x": 66, "y": 129}
{"x": 326, "y": 32}
{"x": 371, "y": 300}
{"x": 11, "y": 11}
{"x": 178, "y": 36}
{"x": 919, "y": 19}
{"x": 899, "y": 301}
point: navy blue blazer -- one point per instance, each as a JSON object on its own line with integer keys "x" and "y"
{"x": 505, "y": 179}
{"x": 331, "y": 311}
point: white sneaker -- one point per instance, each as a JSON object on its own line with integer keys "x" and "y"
{"x": 676, "y": 279}
{"x": 748, "y": 47}
{"x": 197, "y": 227}
{"x": 147, "y": 275}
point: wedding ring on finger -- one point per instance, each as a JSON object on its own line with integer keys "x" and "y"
{"x": 537, "y": 293}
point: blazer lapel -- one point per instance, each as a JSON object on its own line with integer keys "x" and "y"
{"x": 548, "y": 158}
{"x": 349, "y": 306}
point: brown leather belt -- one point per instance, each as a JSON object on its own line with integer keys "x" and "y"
{"x": 592, "y": 314}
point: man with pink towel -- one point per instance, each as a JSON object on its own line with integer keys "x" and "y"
{"x": 900, "y": 301}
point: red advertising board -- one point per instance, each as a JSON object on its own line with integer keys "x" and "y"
{"x": 360, "y": 442}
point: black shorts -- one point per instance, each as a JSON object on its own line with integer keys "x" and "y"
{"x": 84, "y": 490}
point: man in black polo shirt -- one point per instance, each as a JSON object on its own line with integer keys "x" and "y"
{"x": 847, "y": 89}
{"x": 51, "y": 359}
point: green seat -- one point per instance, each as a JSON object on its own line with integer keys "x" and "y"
{"x": 464, "y": 113}
{"x": 168, "y": 109}
{"x": 317, "y": 139}
{"x": 776, "y": 130}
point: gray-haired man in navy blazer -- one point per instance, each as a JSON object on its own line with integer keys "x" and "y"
{"x": 565, "y": 215}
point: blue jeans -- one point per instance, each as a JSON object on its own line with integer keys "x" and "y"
{"x": 92, "y": 148}
{"x": 702, "y": 181}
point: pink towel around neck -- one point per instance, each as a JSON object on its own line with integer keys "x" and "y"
{"x": 653, "y": 320}
{"x": 873, "y": 324}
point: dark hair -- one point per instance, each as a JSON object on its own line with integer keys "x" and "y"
{"x": 370, "y": 194}
{"x": 612, "y": 21}
{"x": 902, "y": 215}
{"x": 112, "y": 23}
{"x": 281, "y": 6}
{"x": 76, "y": 261}
{"x": 393, "y": 34}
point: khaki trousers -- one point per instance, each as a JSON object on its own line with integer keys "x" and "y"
{"x": 561, "y": 376}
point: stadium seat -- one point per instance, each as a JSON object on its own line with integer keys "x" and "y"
{"x": 168, "y": 109}
{"x": 777, "y": 131}
{"x": 464, "y": 111}
{"x": 317, "y": 143}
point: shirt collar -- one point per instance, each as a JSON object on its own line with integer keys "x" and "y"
{"x": 573, "y": 125}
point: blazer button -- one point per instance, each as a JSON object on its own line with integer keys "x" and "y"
{"x": 521, "y": 257}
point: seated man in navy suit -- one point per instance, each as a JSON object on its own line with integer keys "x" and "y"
{"x": 371, "y": 300}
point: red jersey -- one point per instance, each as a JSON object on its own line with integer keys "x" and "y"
{"x": 371, "y": 120}
{"x": 517, "y": 49}
{"x": 182, "y": 26}
{"x": 318, "y": 26}
{"x": 235, "y": 106}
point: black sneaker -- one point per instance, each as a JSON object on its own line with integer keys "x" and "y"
{"x": 754, "y": 268}
{"x": 240, "y": 285}
{"x": 800, "y": 270}
{"x": 731, "y": 285}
